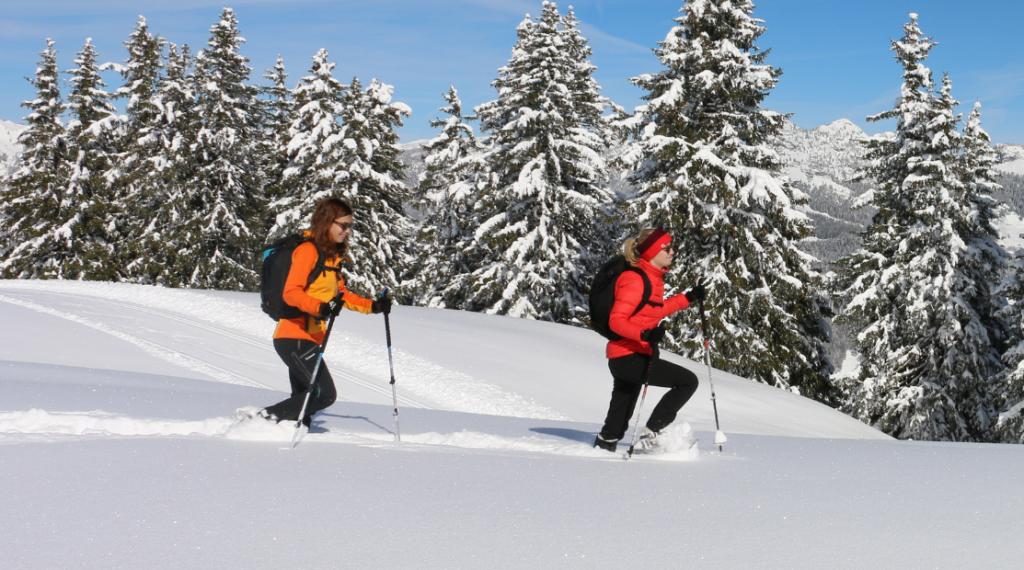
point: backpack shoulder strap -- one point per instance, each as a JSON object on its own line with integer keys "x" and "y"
{"x": 646, "y": 299}
{"x": 321, "y": 262}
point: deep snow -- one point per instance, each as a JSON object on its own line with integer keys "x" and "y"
{"x": 119, "y": 449}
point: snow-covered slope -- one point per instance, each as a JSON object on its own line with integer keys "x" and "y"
{"x": 118, "y": 449}
{"x": 1011, "y": 158}
{"x": 446, "y": 360}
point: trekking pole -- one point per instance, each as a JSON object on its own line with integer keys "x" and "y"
{"x": 312, "y": 381}
{"x": 647, "y": 379}
{"x": 720, "y": 438}
{"x": 391, "y": 363}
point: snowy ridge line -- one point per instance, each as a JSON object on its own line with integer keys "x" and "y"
{"x": 150, "y": 347}
{"x": 425, "y": 379}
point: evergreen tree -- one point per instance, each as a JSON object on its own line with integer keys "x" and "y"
{"x": 278, "y": 114}
{"x": 920, "y": 288}
{"x": 37, "y": 212}
{"x": 140, "y": 149}
{"x": 158, "y": 210}
{"x": 370, "y": 179}
{"x": 447, "y": 193}
{"x": 224, "y": 202}
{"x": 542, "y": 215}
{"x": 314, "y": 147}
{"x": 705, "y": 175}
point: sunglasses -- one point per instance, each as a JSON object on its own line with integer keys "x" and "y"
{"x": 344, "y": 227}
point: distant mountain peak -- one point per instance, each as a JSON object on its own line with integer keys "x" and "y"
{"x": 843, "y": 128}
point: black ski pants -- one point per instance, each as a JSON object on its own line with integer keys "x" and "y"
{"x": 301, "y": 356}
{"x": 628, "y": 372}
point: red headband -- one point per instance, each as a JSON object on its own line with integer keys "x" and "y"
{"x": 653, "y": 244}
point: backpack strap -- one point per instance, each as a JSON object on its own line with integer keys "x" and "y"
{"x": 646, "y": 299}
{"x": 321, "y": 264}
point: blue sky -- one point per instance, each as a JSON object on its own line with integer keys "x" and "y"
{"x": 834, "y": 54}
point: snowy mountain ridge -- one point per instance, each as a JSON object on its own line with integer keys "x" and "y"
{"x": 9, "y": 147}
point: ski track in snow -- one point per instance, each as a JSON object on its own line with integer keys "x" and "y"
{"x": 161, "y": 352}
{"x": 448, "y": 389}
{"x": 41, "y": 425}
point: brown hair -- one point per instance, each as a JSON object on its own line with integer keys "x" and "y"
{"x": 326, "y": 212}
{"x": 629, "y": 249}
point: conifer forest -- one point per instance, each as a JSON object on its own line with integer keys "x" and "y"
{"x": 182, "y": 174}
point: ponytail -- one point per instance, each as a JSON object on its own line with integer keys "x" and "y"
{"x": 629, "y": 247}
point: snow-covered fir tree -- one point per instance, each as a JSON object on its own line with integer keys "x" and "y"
{"x": 94, "y": 132}
{"x": 36, "y": 212}
{"x": 222, "y": 235}
{"x": 920, "y": 288}
{"x": 159, "y": 212}
{"x": 1010, "y": 390}
{"x": 705, "y": 174}
{"x": 446, "y": 192}
{"x": 278, "y": 115}
{"x": 140, "y": 151}
{"x": 542, "y": 229}
{"x": 314, "y": 148}
{"x": 370, "y": 179}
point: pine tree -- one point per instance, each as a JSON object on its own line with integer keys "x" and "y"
{"x": 161, "y": 210}
{"x": 37, "y": 212}
{"x": 370, "y": 179}
{"x": 140, "y": 152}
{"x": 223, "y": 234}
{"x": 94, "y": 132}
{"x": 920, "y": 288}
{"x": 705, "y": 175}
{"x": 314, "y": 147}
{"x": 278, "y": 114}
{"x": 542, "y": 217}
{"x": 447, "y": 193}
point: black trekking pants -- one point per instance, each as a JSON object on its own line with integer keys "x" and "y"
{"x": 628, "y": 372}
{"x": 299, "y": 372}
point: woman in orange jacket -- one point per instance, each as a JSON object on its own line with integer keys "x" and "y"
{"x": 651, "y": 253}
{"x": 297, "y": 341}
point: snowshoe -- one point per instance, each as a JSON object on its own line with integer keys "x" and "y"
{"x": 649, "y": 441}
{"x": 253, "y": 413}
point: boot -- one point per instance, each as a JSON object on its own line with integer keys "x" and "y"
{"x": 606, "y": 444}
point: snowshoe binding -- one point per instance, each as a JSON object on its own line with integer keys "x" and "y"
{"x": 649, "y": 441}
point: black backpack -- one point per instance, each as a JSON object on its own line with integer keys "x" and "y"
{"x": 277, "y": 262}
{"x": 602, "y": 294}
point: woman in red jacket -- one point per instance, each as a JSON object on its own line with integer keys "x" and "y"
{"x": 651, "y": 253}
{"x": 297, "y": 341}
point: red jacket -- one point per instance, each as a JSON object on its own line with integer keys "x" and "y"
{"x": 629, "y": 290}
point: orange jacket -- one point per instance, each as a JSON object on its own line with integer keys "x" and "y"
{"x": 629, "y": 290}
{"x": 308, "y": 300}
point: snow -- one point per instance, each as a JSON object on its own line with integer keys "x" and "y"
{"x": 122, "y": 456}
{"x": 9, "y": 133}
{"x": 1011, "y": 231}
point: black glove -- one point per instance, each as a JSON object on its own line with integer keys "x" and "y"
{"x": 696, "y": 294}
{"x": 653, "y": 336}
{"x": 331, "y": 308}
{"x": 382, "y": 305}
